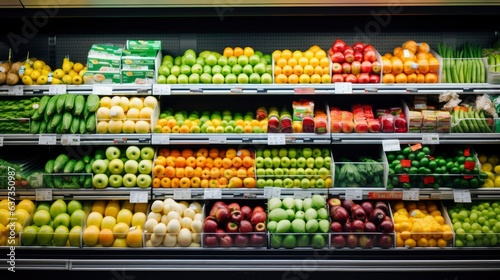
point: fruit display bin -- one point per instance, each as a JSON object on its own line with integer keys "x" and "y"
{"x": 15, "y": 126}
{"x": 420, "y": 166}
{"x": 475, "y": 224}
{"x": 235, "y": 224}
{"x": 174, "y": 223}
{"x": 62, "y": 181}
{"x": 360, "y": 224}
{"x": 58, "y": 223}
{"x": 289, "y": 167}
{"x": 422, "y": 224}
{"x": 298, "y": 222}
{"x": 493, "y": 74}
{"x": 363, "y": 168}
{"x": 475, "y": 125}
{"x": 459, "y": 72}
{"x": 127, "y": 114}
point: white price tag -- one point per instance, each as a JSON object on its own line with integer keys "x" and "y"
{"x": 160, "y": 139}
{"x": 57, "y": 89}
{"x": 411, "y": 194}
{"x": 16, "y": 90}
{"x": 217, "y": 140}
{"x": 43, "y": 194}
{"x": 462, "y": 196}
{"x": 182, "y": 193}
{"x": 391, "y": 145}
{"x": 102, "y": 90}
{"x": 354, "y": 194}
{"x": 1, "y": 141}
{"x": 139, "y": 197}
{"x": 47, "y": 140}
{"x": 212, "y": 194}
{"x": 161, "y": 89}
{"x": 343, "y": 87}
{"x": 276, "y": 139}
{"x": 302, "y": 194}
{"x": 272, "y": 192}
{"x": 70, "y": 140}
{"x": 430, "y": 138}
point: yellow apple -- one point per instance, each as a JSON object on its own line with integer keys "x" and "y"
{"x": 102, "y": 113}
{"x": 124, "y": 103}
{"x": 133, "y": 114}
{"x": 102, "y": 127}
{"x": 128, "y": 126}
{"x": 142, "y": 127}
{"x": 105, "y": 102}
{"x": 115, "y": 101}
{"x": 116, "y": 113}
{"x": 145, "y": 113}
{"x": 136, "y": 102}
{"x": 115, "y": 126}
{"x": 150, "y": 101}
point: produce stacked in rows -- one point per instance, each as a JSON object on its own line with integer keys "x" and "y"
{"x": 294, "y": 222}
{"x": 417, "y": 166}
{"x": 121, "y": 114}
{"x": 294, "y": 167}
{"x": 359, "y": 63}
{"x": 65, "y": 113}
{"x": 13, "y": 216}
{"x": 15, "y": 114}
{"x": 233, "y": 224}
{"x": 463, "y": 64}
{"x": 476, "y": 224}
{"x": 411, "y": 62}
{"x": 474, "y": 115}
{"x": 57, "y": 223}
{"x": 114, "y": 223}
{"x": 234, "y": 66}
{"x": 302, "y": 67}
{"x": 421, "y": 224}
{"x": 174, "y": 224}
{"x": 68, "y": 172}
{"x": 362, "y": 172}
{"x": 366, "y": 224}
{"x": 490, "y": 164}
{"x": 204, "y": 168}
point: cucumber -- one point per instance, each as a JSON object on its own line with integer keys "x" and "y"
{"x": 70, "y": 166}
{"x": 49, "y": 166}
{"x": 60, "y": 162}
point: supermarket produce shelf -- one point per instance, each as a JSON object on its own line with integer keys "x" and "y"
{"x": 252, "y": 89}
{"x": 410, "y": 138}
{"x": 236, "y": 193}
{"x": 75, "y": 139}
{"x": 44, "y": 194}
{"x": 246, "y": 138}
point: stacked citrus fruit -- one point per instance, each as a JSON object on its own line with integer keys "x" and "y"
{"x": 301, "y": 67}
{"x": 491, "y": 165}
{"x": 411, "y": 62}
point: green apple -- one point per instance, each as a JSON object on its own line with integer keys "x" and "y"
{"x": 144, "y": 180}
{"x": 178, "y": 60}
{"x": 248, "y": 69}
{"x": 276, "y": 240}
{"x": 322, "y": 213}
{"x": 231, "y": 78}
{"x": 276, "y": 161}
{"x": 259, "y": 153}
{"x": 293, "y": 162}
{"x": 301, "y": 162}
{"x": 203, "y": 54}
{"x": 266, "y": 78}
{"x": 303, "y": 240}
{"x": 207, "y": 69}
{"x": 222, "y": 61}
{"x": 312, "y": 225}
{"x": 309, "y": 173}
{"x": 164, "y": 70}
{"x": 200, "y": 61}
{"x": 206, "y": 78}
{"x": 228, "y": 129}
{"x": 219, "y": 129}
{"x": 73, "y": 205}
{"x": 256, "y": 129}
{"x": 77, "y": 218}
{"x": 182, "y": 79}
{"x": 299, "y": 214}
{"x": 304, "y": 183}
{"x": 242, "y": 78}
{"x": 261, "y": 172}
{"x": 266, "y": 152}
{"x": 268, "y": 162}
{"x": 115, "y": 180}
{"x": 242, "y": 60}
{"x": 310, "y": 162}
{"x": 307, "y": 152}
{"x": 275, "y": 152}
{"x": 61, "y": 234}
{"x": 278, "y": 172}
{"x": 217, "y": 78}
{"x": 316, "y": 152}
{"x": 288, "y": 182}
{"x": 300, "y": 172}
{"x": 185, "y": 69}
{"x": 289, "y": 241}
{"x": 100, "y": 181}
{"x": 285, "y": 162}
{"x": 194, "y": 78}
{"x": 175, "y": 70}
{"x": 282, "y": 152}
{"x": 327, "y": 162}
{"x": 167, "y": 58}
{"x": 112, "y": 152}
{"x": 45, "y": 235}
{"x": 232, "y": 60}
{"x": 195, "y": 129}
{"x": 278, "y": 183}
{"x": 254, "y": 60}
{"x": 28, "y": 235}
{"x": 57, "y": 207}
{"x": 254, "y": 78}
{"x": 319, "y": 162}
{"x": 189, "y": 59}
{"x": 237, "y": 69}
{"x": 296, "y": 183}
{"x": 75, "y": 236}
{"x": 197, "y": 69}
{"x": 320, "y": 183}
{"x": 261, "y": 183}
{"x": 211, "y": 129}
{"x": 298, "y": 225}
{"x": 259, "y": 68}
{"x": 62, "y": 219}
{"x": 292, "y": 172}
{"x": 211, "y": 60}
{"x": 318, "y": 241}
{"x": 171, "y": 79}
{"x": 312, "y": 183}
{"x": 269, "y": 182}
{"x": 226, "y": 69}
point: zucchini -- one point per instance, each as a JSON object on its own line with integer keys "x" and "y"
{"x": 79, "y": 166}
{"x": 43, "y": 127}
{"x": 78, "y": 105}
{"x": 56, "y": 119}
{"x": 92, "y": 103}
{"x": 91, "y": 123}
{"x": 75, "y": 126}
{"x": 83, "y": 126}
{"x": 35, "y": 127}
{"x": 66, "y": 121}
{"x": 69, "y": 103}
{"x": 60, "y": 162}
{"x": 43, "y": 104}
{"x": 70, "y": 166}
{"x": 51, "y": 105}
{"x": 60, "y": 102}
{"x": 36, "y": 116}
{"x": 49, "y": 166}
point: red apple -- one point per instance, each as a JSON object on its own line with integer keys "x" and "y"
{"x": 338, "y": 241}
{"x": 336, "y": 227}
{"x": 368, "y": 47}
{"x": 330, "y": 51}
{"x": 358, "y": 46}
{"x": 337, "y": 57}
{"x": 260, "y": 227}
{"x": 346, "y": 227}
{"x": 386, "y": 226}
{"x": 241, "y": 240}
{"x": 258, "y": 217}
{"x": 225, "y": 241}
{"x": 340, "y": 215}
{"x": 355, "y": 67}
{"x": 338, "y": 45}
{"x": 377, "y": 216}
{"x": 366, "y": 67}
{"x": 336, "y": 68}
{"x": 376, "y": 67}
{"x": 347, "y": 204}
{"x": 233, "y": 206}
{"x": 222, "y": 215}
{"x": 245, "y": 226}
{"x": 231, "y": 227}
{"x": 349, "y": 57}
{"x": 236, "y": 216}
{"x": 348, "y": 49}
{"x": 337, "y": 78}
{"x": 346, "y": 67}
{"x": 375, "y": 78}
{"x": 370, "y": 227}
{"x": 334, "y": 201}
{"x": 357, "y": 226}
{"x": 246, "y": 211}
{"x": 258, "y": 240}
{"x": 352, "y": 240}
{"x": 217, "y": 205}
{"x": 370, "y": 55}
{"x": 367, "y": 206}
{"x": 258, "y": 209}
{"x": 351, "y": 78}
{"x": 385, "y": 241}
{"x": 358, "y": 56}
{"x": 366, "y": 242}
{"x": 210, "y": 225}
{"x": 364, "y": 78}
{"x": 358, "y": 213}
{"x": 210, "y": 240}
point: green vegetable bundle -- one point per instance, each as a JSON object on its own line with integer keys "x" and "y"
{"x": 463, "y": 64}
{"x": 367, "y": 172}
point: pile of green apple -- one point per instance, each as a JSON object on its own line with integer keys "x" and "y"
{"x": 55, "y": 224}
{"x": 211, "y": 67}
{"x": 294, "y": 167}
{"x": 123, "y": 167}
{"x": 476, "y": 224}
{"x": 295, "y": 222}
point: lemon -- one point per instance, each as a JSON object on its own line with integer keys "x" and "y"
{"x": 493, "y": 160}
{"x": 482, "y": 158}
{"x": 489, "y": 184}
{"x": 487, "y": 167}
{"x": 496, "y": 169}
{"x": 491, "y": 175}
{"x": 497, "y": 182}
{"x": 58, "y": 73}
{"x": 27, "y": 80}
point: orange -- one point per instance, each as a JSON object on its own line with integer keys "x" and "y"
{"x": 174, "y": 182}
{"x": 189, "y": 171}
{"x": 277, "y": 70}
{"x": 408, "y": 56}
{"x": 106, "y": 237}
{"x": 303, "y": 61}
{"x": 202, "y": 152}
{"x": 317, "y": 70}
{"x": 185, "y": 182}
{"x": 227, "y": 162}
{"x": 209, "y": 163}
{"x": 408, "y": 67}
{"x": 388, "y": 55}
{"x": 244, "y": 152}
{"x": 237, "y": 51}
{"x": 298, "y": 70}
{"x": 237, "y": 162}
{"x": 170, "y": 161}
{"x": 179, "y": 172}
{"x": 386, "y": 65}
{"x": 276, "y": 55}
{"x": 281, "y": 79}
{"x": 292, "y": 62}
{"x": 412, "y": 78}
{"x": 213, "y": 153}
{"x": 180, "y": 161}
{"x": 421, "y": 55}
{"x": 286, "y": 54}
{"x": 165, "y": 182}
{"x": 171, "y": 122}
{"x": 287, "y": 70}
{"x": 169, "y": 172}
{"x": 293, "y": 79}
{"x": 191, "y": 161}
{"x": 159, "y": 171}
{"x": 420, "y": 78}
{"x": 431, "y": 206}
{"x": 431, "y": 78}
{"x": 228, "y": 51}
{"x": 248, "y": 51}
{"x": 161, "y": 160}
{"x": 433, "y": 65}
{"x": 184, "y": 129}
{"x": 388, "y": 79}
{"x": 165, "y": 152}
{"x": 411, "y": 46}
{"x": 397, "y": 51}
{"x": 423, "y": 47}
{"x": 324, "y": 62}
{"x": 281, "y": 62}
{"x": 397, "y": 65}
{"x": 423, "y": 66}
{"x": 157, "y": 182}
{"x": 175, "y": 152}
